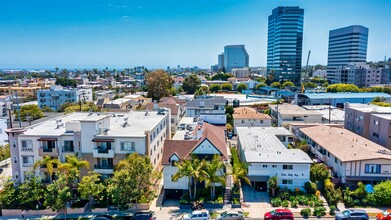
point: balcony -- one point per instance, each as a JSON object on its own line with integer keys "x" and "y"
{"x": 27, "y": 164}
{"x": 103, "y": 169}
{"x": 53, "y": 152}
{"x": 103, "y": 153}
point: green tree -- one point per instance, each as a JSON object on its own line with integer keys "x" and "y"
{"x": 382, "y": 193}
{"x": 276, "y": 85}
{"x": 159, "y": 84}
{"x": 287, "y": 84}
{"x": 319, "y": 172}
{"x": 5, "y": 152}
{"x": 226, "y": 87}
{"x": 49, "y": 163}
{"x": 133, "y": 181}
{"x": 222, "y": 76}
{"x": 201, "y": 91}
{"x": 310, "y": 85}
{"x": 66, "y": 82}
{"x": 237, "y": 169}
{"x": 215, "y": 87}
{"x": 272, "y": 183}
{"x": 87, "y": 107}
{"x": 325, "y": 84}
{"x": 241, "y": 87}
{"x": 342, "y": 88}
{"x": 31, "y": 192}
{"x": 30, "y": 112}
{"x": 191, "y": 83}
{"x": 259, "y": 85}
{"x": 214, "y": 173}
{"x": 90, "y": 186}
{"x": 185, "y": 170}
{"x": 9, "y": 195}
{"x": 58, "y": 193}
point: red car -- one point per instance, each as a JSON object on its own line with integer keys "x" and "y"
{"x": 386, "y": 215}
{"x": 279, "y": 214}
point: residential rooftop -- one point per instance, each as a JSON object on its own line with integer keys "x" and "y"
{"x": 262, "y": 145}
{"x": 287, "y": 109}
{"x": 384, "y": 116}
{"x": 249, "y": 113}
{"x": 369, "y": 108}
{"x": 335, "y": 113}
{"x": 344, "y": 144}
{"x": 137, "y": 123}
{"x": 346, "y": 95}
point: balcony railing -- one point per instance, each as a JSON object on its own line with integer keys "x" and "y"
{"x": 47, "y": 149}
{"x": 27, "y": 164}
{"x": 26, "y": 149}
{"x": 103, "y": 169}
{"x": 105, "y": 153}
{"x": 98, "y": 166}
{"x": 53, "y": 152}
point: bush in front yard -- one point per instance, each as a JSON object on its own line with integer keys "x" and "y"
{"x": 276, "y": 202}
{"x": 332, "y": 210}
{"x": 305, "y": 212}
{"x": 285, "y": 203}
{"x": 310, "y": 187}
{"x": 319, "y": 211}
{"x": 294, "y": 203}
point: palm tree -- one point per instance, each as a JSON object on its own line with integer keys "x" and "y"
{"x": 72, "y": 162}
{"x": 272, "y": 183}
{"x": 198, "y": 172}
{"x": 239, "y": 173}
{"x": 184, "y": 170}
{"x": 49, "y": 163}
{"x": 214, "y": 171}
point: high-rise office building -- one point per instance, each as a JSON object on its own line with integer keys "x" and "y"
{"x": 346, "y": 45}
{"x": 220, "y": 61}
{"x": 285, "y": 42}
{"x": 235, "y": 56}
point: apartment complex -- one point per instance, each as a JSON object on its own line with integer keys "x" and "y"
{"x": 57, "y": 96}
{"x": 283, "y": 114}
{"x": 265, "y": 150}
{"x": 234, "y": 56}
{"x": 362, "y": 75}
{"x": 28, "y": 89}
{"x": 351, "y": 157}
{"x": 103, "y": 139}
{"x": 369, "y": 121}
{"x": 211, "y": 110}
{"x": 284, "y": 43}
{"x": 249, "y": 117}
{"x": 346, "y": 45}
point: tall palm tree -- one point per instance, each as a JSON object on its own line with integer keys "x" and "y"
{"x": 238, "y": 171}
{"x": 272, "y": 183}
{"x": 185, "y": 169}
{"x": 49, "y": 163}
{"x": 214, "y": 171}
{"x": 198, "y": 172}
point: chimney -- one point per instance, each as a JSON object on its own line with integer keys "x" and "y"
{"x": 199, "y": 133}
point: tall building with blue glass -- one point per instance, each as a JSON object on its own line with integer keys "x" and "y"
{"x": 347, "y": 45}
{"x": 285, "y": 42}
{"x": 235, "y": 56}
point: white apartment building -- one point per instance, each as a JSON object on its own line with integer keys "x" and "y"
{"x": 103, "y": 139}
{"x": 249, "y": 117}
{"x": 284, "y": 114}
{"x": 351, "y": 157}
{"x": 265, "y": 150}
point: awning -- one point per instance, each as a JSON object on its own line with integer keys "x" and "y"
{"x": 47, "y": 139}
{"x": 103, "y": 140}
{"x": 258, "y": 178}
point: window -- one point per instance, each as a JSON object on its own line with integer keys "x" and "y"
{"x": 27, "y": 145}
{"x": 287, "y": 167}
{"x": 154, "y": 147}
{"x": 172, "y": 162}
{"x": 376, "y": 122}
{"x": 375, "y": 134}
{"x": 336, "y": 160}
{"x": 128, "y": 146}
{"x": 261, "y": 121}
{"x": 372, "y": 168}
{"x": 28, "y": 161}
{"x": 287, "y": 181}
{"x": 328, "y": 154}
{"x": 264, "y": 166}
{"x": 274, "y": 166}
{"x": 68, "y": 146}
{"x": 242, "y": 121}
{"x": 48, "y": 146}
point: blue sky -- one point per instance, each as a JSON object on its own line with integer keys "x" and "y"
{"x": 161, "y": 33}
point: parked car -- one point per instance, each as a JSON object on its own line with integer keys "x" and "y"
{"x": 352, "y": 214}
{"x": 386, "y": 215}
{"x": 147, "y": 215}
{"x": 197, "y": 215}
{"x": 102, "y": 217}
{"x": 279, "y": 214}
{"x": 231, "y": 215}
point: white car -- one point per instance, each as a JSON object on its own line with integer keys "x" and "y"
{"x": 231, "y": 215}
{"x": 197, "y": 215}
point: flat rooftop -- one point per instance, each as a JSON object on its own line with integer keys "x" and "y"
{"x": 385, "y": 116}
{"x": 262, "y": 145}
{"x": 287, "y": 109}
{"x": 188, "y": 121}
{"x": 137, "y": 123}
{"x": 345, "y": 95}
{"x": 369, "y": 108}
{"x": 346, "y": 145}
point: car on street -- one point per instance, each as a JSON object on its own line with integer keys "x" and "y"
{"x": 352, "y": 214}
{"x": 279, "y": 214}
{"x": 231, "y": 215}
{"x": 385, "y": 215}
{"x": 102, "y": 217}
{"x": 147, "y": 215}
{"x": 197, "y": 215}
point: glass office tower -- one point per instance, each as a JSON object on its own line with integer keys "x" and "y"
{"x": 235, "y": 56}
{"x": 346, "y": 46}
{"x": 285, "y": 42}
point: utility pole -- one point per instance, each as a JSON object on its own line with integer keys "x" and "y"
{"x": 17, "y": 105}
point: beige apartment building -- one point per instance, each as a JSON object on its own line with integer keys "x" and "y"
{"x": 283, "y": 114}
